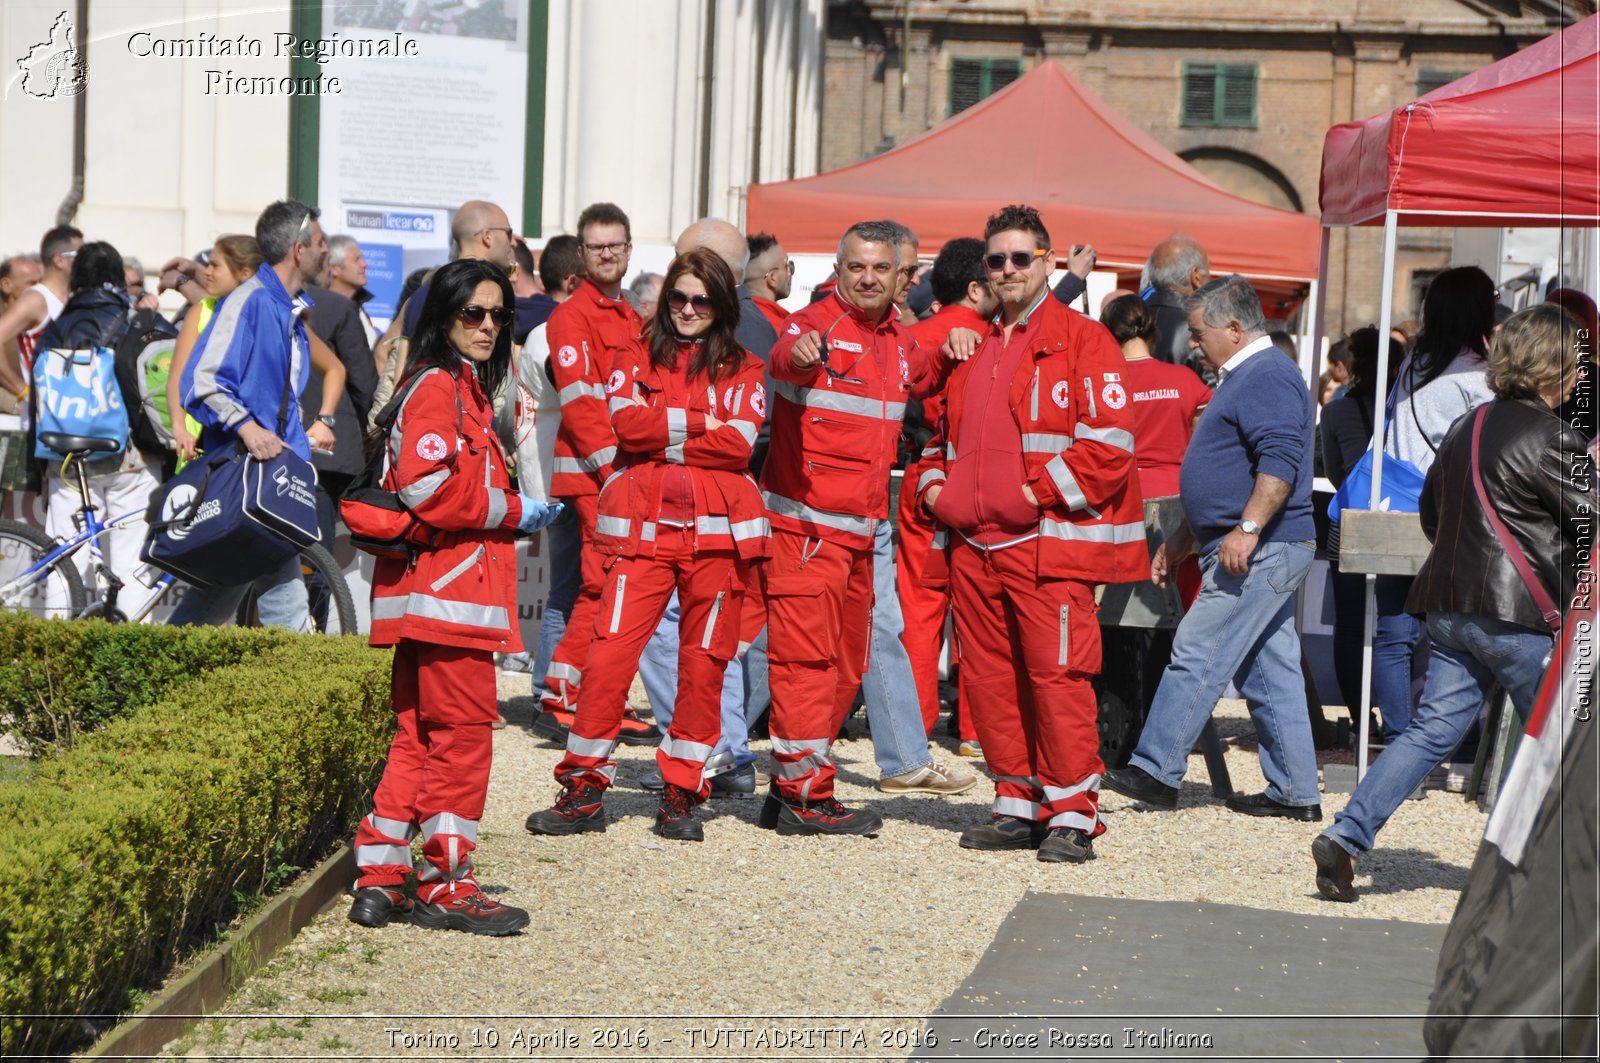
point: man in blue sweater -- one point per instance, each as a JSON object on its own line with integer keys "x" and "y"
{"x": 1246, "y": 490}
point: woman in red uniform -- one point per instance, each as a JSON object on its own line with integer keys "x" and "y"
{"x": 446, "y": 610}
{"x": 681, "y": 513}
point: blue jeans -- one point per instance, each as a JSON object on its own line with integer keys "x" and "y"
{"x": 281, "y": 601}
{"x": 1240, "y": 628}
{"x": 1394, "y": 642}
{"x": 658, "y": 669}
{"x": 1467, "y": 656}
{"x": 563, "y": 544}
{"x": 757, "y": 687}
{"x": 894, "y": 713}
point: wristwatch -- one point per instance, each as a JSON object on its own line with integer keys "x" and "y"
{"x": 328, "y": 419}
{"x": 1249, "y": 527}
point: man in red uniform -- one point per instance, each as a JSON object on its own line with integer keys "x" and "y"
{"x": 769, "y": 276}
{"x": 842, "y": 371}
{"x": 965, "y": 299}
{"x": 585, "y": 333}
{"x": 1037, "y": 482}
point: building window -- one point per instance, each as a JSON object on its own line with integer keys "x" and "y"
{"x": 972, "y": 80}
{"x": 1429, "y": 79}
{"x": 1219, "y": 94}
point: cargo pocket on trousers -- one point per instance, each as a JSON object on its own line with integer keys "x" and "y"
{"x": 801, "y": 628}
{"x": 719, "y": 637}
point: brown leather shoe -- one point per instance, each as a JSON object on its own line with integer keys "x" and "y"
{"x": 1336, "y": 869}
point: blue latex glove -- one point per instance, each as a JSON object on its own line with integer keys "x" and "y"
{"x": 537, "y": 514}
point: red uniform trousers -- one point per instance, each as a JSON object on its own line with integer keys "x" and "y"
{"x": 1029, "y": 647}
{"x": 438, "y": 771}
{"x": 710, "y": 590}
{"x": 924, "y": 609}
{"x": 819, "y": 623}
{"x": 568, "y": 660}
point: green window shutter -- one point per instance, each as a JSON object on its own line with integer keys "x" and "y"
{"x": 1236, "y": 86}
{"x": 1429, "y": 79}
{"x": 1219, "y": 94}
{"x": 972, "y": 80}
{"x": 1002, "y": 72}
{"x": 1199, "y": 94}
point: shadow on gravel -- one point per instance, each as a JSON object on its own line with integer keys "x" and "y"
{"x": 1405, "y": 870}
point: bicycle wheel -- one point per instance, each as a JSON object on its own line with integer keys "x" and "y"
{"x": 56, "y": 591}
{"x": 333, "y": 610}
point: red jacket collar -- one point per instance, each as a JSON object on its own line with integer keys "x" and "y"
{"x": 859, "y": 315}
{"x": 601, "y": 299}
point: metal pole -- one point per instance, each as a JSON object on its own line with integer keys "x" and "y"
{"x": 1380, "y": 398}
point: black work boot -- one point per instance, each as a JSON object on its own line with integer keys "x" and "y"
{"x": 578, "y": 809}
{"x": 675, "y": 818}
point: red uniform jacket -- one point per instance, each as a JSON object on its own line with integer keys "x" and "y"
{"x": 1071, "y": 402}
{"x": 447, "y": 464}
{"x": 669, "y": 428}
{"x": 834, "y": 438}
{"x": 586, "y": 332}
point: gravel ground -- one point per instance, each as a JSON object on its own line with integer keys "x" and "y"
{"x": 625, "y": 924}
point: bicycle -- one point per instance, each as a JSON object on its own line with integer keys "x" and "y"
{"x": 37, "y": 573}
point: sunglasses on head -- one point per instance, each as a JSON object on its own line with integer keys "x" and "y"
{"x": 472, "y": 316}
{"x": 1018, "y": 259}
{"x": 678, "y": 300}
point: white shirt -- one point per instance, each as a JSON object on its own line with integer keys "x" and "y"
{"x": 536, "y": 449}
{"x": 1255, "y": 346}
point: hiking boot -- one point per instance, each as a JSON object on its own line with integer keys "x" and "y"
{"x": 931, "y": 778}
{"x": 374, "y": 906}
{"x": 474, "y": 912}
{"x": 826, "y": 816}
{"x": 1066, "y": 845}
{"x": 554, "y": 721}
{"x": 971, "y": 749}
{"x": 1003, "y": 832}
{"x": 636, "y": 731}
{"x": 578, "y": 809}
{"x": 675, "y": 818}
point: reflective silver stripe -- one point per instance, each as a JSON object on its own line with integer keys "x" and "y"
{"x": 568, "y": 465}
{"x": 745, "y": 429}
{"x": 563, "y": 672}
{"x": 393, "y": 828}
{"x": 929, "y": 453}
{"x": 685, "y": 750}
{"x": 647, "y": 532}
{"x": 1019, "y": 780}
{"x": 788, "y": 507}
{"x": 674, "y": 454}
{"x": 941, "y": 538}
{"x": 1059, "y": 793}
{"x": 414, "y": 494}
{"x": 593, "y": 748}
{"x": 617, "y": 526}
{"x": 465, "y": 566}
{"x": 804, "y": 766}
{"x": 838, "y": 402}
{"x": 1033, "y": 405}
{"x": 1066, "y": 483}
{"x": 381, "y": 855}
{"x": 1061, "y": 657}
{"x": 711, "y": 620}
{"x": 579, "y": 389}
{"x": 950, "y": 452}
{"x": 618, "y": 405}
{"x": 616, "y": 606}
{"x": 800, "y": 745}
{"x": 1088, "y": 388}
{"x": 1016, "y": 806}
{"x": 1117, "y": 534}
{"x": 427, "y": 607}
{"x": 750, "y": 529}
{"x": 712, "y": 526}
{"x": 450, "y": 823}
{"x": 1045, "y": 442}
{"x": 609, "y": 480}
{"x": 603, "y": 456}
{"x": 1120, "y": 438}
{"x": 677, "y": 424}
{"x": 738, "y": 400}
{"x": 932, "y": 476}
{"x": 1073, "y": 819}
{"x": 497, "y": 509}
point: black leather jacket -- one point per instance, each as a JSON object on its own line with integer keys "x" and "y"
{"x": 1540, "y": 481}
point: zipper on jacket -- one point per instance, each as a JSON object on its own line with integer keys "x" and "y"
{"x": 616, "y": 606}
{"x": 711, "y": 621}
{"x": 1088, "y": 389}
{"x": 460, "y": 570}
{"x": 1033, "y": 405}
{"x": 1062, "y": 657}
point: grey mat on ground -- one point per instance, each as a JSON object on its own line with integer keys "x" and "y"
{"x": 1097, "y": 977}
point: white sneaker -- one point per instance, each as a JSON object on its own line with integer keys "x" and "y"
{"x": 932, "y": 778}
{"x": 971, "y": 749}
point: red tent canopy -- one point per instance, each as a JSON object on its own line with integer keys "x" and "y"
{"x": 1046, "y": 141}
{"x": 1512, "y": 144}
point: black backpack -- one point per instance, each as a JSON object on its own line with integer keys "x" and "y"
{"x": 142, "y": 361}
{"x": 378, "y": 520}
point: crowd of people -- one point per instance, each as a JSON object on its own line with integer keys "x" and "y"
{"x": 711, "y": 474}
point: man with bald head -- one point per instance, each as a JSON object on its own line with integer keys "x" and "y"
{"x": 1175, "y": 269}
{"x": 480, "y": 230}
{"x": 755, "y": 333}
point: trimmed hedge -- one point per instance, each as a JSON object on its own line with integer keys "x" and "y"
{"x": 62, "y": 679}
{"x": 126, "y": 853}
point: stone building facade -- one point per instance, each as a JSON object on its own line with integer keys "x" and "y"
{"x": 1242, "y": 89}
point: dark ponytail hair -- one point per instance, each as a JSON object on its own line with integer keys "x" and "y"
{"x": 720, "y": 355}
{"x": 450, "y": 289}
{"x": 1457, "y": 312}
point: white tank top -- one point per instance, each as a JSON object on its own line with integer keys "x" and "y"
{"x": 26, "y": 340}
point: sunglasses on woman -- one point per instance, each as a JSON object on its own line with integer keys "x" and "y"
{"x": 678, "y": 300}
{"x": 472, "y": 316}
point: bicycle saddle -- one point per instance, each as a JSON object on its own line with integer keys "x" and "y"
{"x": 65, "y": 444}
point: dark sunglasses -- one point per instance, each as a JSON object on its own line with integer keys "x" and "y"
{"x": 1018, "y": 259}
{"x": 472, "y": 316}
{"x": 678, "y": 300}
